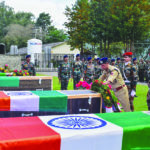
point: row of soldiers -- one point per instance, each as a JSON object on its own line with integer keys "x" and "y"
{"x": 142, "y": 67}
{"x": 119, "y": 75}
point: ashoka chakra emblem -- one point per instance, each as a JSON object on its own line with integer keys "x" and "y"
{"x": 77, "y": 122}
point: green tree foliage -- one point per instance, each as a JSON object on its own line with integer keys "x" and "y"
{"x": 44, "y": 21}
{"x": 78, "y": 28}
{"x": 108, "y": 22}
{"x": 17, "y": 35}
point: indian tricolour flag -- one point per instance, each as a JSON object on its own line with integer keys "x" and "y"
{"x": 115, "y": 131}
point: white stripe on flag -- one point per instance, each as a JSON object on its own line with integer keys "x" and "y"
{"x": 108, "y": 137}
{"x": 23, "y": 101}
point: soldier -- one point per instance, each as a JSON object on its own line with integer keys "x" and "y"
{"x": 77, "y": 70}
{"x": 119, "y": 64}
{"x": 98, "y": 70}
{"x": 141, "y": 70}
{"x": 112, "y": 62}
{"x": 148, "y": 94}
{"x": 113, "y": 77}
{"x": 29, "y": 66}
{"x": 89, "y": 71}
{"x": 146, "y": 70}
{"x": 135, "y": 72}
{"x": 64, "y": 73}
{"x": 128, "y": 74}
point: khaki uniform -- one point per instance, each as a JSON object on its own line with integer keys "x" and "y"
{"x": 114, "y": 76}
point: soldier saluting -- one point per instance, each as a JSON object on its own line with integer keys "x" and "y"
{"x": 128, "y": 74}
{"x": 64, "y": 73}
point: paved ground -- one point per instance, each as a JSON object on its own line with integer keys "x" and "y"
{"x": 49, "y": 73}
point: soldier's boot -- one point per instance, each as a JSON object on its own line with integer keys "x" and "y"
{"x": 131, "y": 104}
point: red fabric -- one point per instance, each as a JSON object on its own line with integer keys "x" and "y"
{"x": 27, "y": 133}
{"x": 128, "y": 54}
{"x": 4, "y": 102}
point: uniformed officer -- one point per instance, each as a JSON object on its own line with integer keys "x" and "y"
{"x": 77, "y": 70}
{"x": 148, "y": 94}
{"x": 135, "y": 72}
{"x": 113, "y": 77}
{"x": 146, "y": 70}
{"x": 64, "y": 73}
{"x": 141, "y": 70}
{"x": 128, "y": 74}
{"x": 98, "y": 70}
{"x": 89, "y": 71}
{"x": 112, "y": 62}
{"x": 29, "y": 66}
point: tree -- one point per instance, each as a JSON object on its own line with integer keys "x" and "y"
{"x": 55, "y": 35}
{"x": 44, "y": 21}
{"x": 24, "y": 18}
{"x": 78, "y": 29}
{"x": 17, "y": 35}
{"x": 6, "y": 18}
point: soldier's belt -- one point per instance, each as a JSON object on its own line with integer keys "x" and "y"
{"x": 119, "y": 88}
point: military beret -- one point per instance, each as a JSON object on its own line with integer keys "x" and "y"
{"x": 118, "y": 58}
{"x": 112, "y": 60}
{"x": 28, "y": 56}
{"x": 78, "y": 55}
{"x": 104, "y": 60}
{"x": 89, "y": 58}
{"x": 128, "y": 54}
{"x": 134, "y": 59}
{"x": 65, "y": 56}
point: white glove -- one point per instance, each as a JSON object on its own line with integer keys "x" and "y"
{"x": 133, "y": 93}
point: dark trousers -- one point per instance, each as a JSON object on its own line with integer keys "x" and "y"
{"x": 141, "y": 75}
{"x": 76, "y": 80}
{"x": 64, "y": 83}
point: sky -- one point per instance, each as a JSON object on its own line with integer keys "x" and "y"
{"x": 55, "y": 8}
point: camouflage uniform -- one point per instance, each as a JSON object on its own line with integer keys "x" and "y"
{"x": 98, "y": 71}
{"x": 77, "y": 72}
{"x": 148, "y": 94}
{"x": 64, "y": 74}
{"x": 119, "y": 66}
{"x": 141, "y": 71}
{"x": 129, "y": 73}
{"x": 30, "y": 67}
{"x": 89, "y": 73}
{"x": 135, "y": 72}
{"x": 146, "y": 71}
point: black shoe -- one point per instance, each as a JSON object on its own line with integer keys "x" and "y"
{"x": 135, "y": 96}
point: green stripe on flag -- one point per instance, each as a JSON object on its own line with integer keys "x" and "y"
{"x": 52, "y": 101}
{"x": 2, "y": 74}
{"x": 136, "y": 128}
{"x": 9, "y": 82}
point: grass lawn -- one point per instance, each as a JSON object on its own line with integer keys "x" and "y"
{"x": 140, "y": 103}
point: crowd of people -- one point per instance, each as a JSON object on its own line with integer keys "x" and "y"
{"x": 122, "y": 74}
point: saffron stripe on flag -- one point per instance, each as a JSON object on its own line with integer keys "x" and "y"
{"x": 105, "y": 138}
{"x": 136, "y": 128}
{"x": 27, "y": 133}
{"x": 4, "y": 102}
